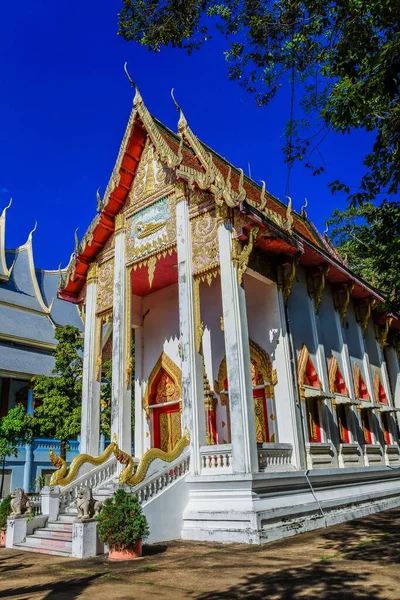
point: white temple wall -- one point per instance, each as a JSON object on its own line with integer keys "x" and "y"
{"x": 160, "y": 327}
{"x": 376, "y": 359}
{"x": 159, "y": 332}
{"x": 393, "y": 367}
{"x": 301, "y": 323}
{"x": 329, "y": 332}
{"x": 355, "y": 342}
{"x": 265, "y": 328}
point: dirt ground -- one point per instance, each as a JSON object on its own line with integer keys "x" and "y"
{"x": 358, "y": 560}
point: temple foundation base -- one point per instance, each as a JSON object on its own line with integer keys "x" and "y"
{"x": 257, "y": 510}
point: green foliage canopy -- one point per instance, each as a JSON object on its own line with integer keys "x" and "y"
{"x": 369, "y": 237}
{"x": 342, "y": 60}
{"x": 16, "y": 428}
{"x": 58, "y": 398}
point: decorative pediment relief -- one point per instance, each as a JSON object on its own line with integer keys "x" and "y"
{"x": 151, "y": 229}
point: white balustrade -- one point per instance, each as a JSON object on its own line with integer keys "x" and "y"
{"x": 216, "y": 460}
{"x": 93, "y": 479}
{"x": 275, "y": 457}
{"x": 169, "y": 473}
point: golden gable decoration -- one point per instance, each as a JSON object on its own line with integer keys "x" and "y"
{"x": 105, "y": 287}
{"x": 205, "y": 250}
{"x": 174, "y": 373}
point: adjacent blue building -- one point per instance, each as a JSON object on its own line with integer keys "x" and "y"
{"x": 29, "y": 314}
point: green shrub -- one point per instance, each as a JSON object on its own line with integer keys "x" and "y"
{"x": 121, "y": 522}
{"x": 5, "y": 510}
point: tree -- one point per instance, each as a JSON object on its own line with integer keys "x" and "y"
{"x": 105, "y": 399}
{"x": 16, "y": 428}
{"x": 369, "y": 238}
{"x": 340, "y": 59}
{"x": 58, "y": 398}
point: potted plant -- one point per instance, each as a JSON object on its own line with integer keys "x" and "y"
{"x": 122, "y": 525}
{"x": 5, "y": 510}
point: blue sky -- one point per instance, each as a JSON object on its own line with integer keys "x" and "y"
{"x": 65, "y": 101}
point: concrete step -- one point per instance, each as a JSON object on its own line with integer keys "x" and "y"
{"x": 65, "y": 518}
{"x": 27, "y": 547}
{"x": 54, "y": 534}
{"x": 71, "y": 510}
{"x": 58, "y": 526}
{"x": 37, "y": 541}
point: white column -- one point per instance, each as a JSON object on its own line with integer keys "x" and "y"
{"x": 121, "y": 387}
{"x": 139, "y": 412}
{"x": 243, "y": 435}
{"x": 292, "y": 406}
{"x": 192, "y": 369}
{"x": 90, "y": 420}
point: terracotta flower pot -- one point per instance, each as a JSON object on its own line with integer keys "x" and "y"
{"x": 129, "y": 553}
{"x": 3, "y": 534}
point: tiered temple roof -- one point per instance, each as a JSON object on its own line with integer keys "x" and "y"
{"x": 30, "y": 310}
{"x": 195, "y": 163}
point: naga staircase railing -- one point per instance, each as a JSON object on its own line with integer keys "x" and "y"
{"x": 169, "y": 473}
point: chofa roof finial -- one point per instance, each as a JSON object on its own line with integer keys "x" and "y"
{"x": 76, "y": 241}
{"x": 5, "y": 209}
{"x": 303, "y": 208}
{"x": 32, "y": 232}
{"x": 99, "y": 201}
{"x": 137, "y": 97}
{"x": 182, "y": 123}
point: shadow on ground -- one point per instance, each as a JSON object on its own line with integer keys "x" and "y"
{"x": 63, "y": 590}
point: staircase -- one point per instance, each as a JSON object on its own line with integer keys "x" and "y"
{"x": 163, "y": 492}
{"x": 55, "y": 538}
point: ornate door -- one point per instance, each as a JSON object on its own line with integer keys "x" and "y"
{"x": 169, "y": 426}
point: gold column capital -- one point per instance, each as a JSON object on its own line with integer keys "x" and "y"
{"x": 180, "y": 191}
{"x": 120, "y": 222}
{"x": 92, "y": 274}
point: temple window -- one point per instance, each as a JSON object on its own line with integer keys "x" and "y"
{"x": 342, "y": 419}
{"x": 340, "y": 386}
{"x": 380, "y": 394}
{"x": 360, "y": 389}
{"x": 385, "y": 419}
{"x": 310, "y": 376}
{"x": 313, "y": 421}
{"x": 366, "y": 425}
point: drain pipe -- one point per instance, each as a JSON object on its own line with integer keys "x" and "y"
{"x": 315, "y": 497}
{"x": 293, "y": 364}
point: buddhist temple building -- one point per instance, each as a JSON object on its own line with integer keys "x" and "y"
{"x": 29, "y": 313}
{"x": 265, "y": 379}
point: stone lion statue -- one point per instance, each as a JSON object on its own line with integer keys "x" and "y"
{"x": 87, "y": 506}
{"x": 21, "y": 506}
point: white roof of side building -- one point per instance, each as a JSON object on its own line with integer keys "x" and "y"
{"x": 29, "y": 310}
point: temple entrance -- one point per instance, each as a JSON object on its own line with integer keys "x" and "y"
{"x": 163, "y": 404}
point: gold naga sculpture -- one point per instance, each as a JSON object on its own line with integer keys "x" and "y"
{"x": 131, "y": 477}
{"x": 128, "y": 475}
{"x": 61, "y": 477}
